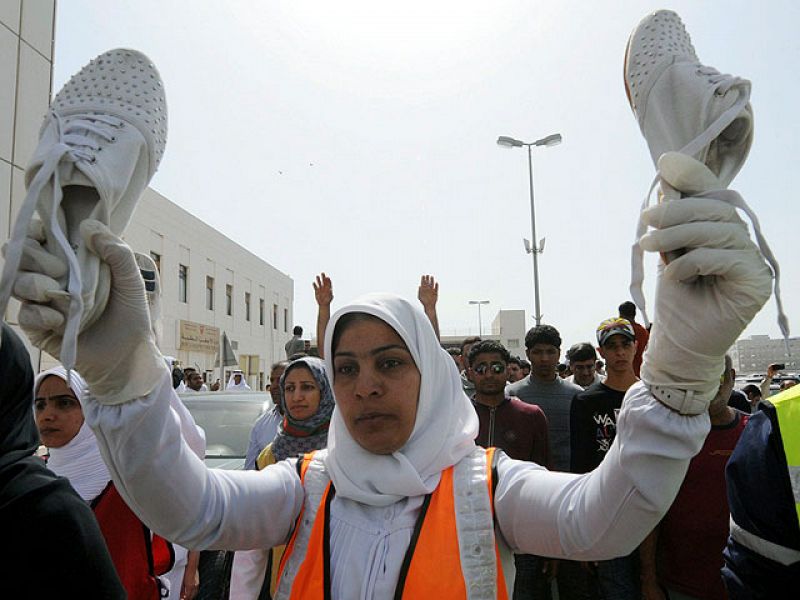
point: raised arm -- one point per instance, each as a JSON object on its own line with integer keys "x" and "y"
{"x": 139, "y": 433}
{"x": 323, "y": 292}
{"x": 705, "y": 298}
{"x": 428, "y": 295}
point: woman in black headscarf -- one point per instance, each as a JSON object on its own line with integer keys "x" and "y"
{"x": 54, "y": 545}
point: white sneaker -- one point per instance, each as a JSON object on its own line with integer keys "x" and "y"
{"x": 683, "y": 105}
{"x": 686, "y": 107}
{"x": 99, "y": 146}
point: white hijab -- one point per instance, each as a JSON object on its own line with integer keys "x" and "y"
{"x": 79, "y": 459}
{"x": 232, "y": 385}
{"x": 445, "y": 428}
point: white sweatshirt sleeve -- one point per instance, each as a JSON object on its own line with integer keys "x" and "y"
{"x": 176, "y": 495}
{"x": 191, "y": 431}
{"x": 608, "y": 512}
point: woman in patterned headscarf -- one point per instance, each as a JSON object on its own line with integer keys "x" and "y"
{"x": 307, "y": 400}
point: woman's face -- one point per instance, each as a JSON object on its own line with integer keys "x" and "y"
{"x": 58, "y": 412}
{"x": 376, "y": 384}
{"x": 301, "y": 392}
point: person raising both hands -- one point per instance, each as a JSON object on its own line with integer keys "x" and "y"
{"x": 428, "y": 295}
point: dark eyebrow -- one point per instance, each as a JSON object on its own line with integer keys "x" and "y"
{"x": 59, "y": 397}
{"x": 375, "y": 351}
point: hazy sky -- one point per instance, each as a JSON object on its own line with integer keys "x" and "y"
{"x": 358, "y": 138}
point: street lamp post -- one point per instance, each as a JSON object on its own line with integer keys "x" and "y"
{"x": 479, "y": 302}
{"x": 534, "y": 247}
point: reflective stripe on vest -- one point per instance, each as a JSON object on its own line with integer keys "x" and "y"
{"x": 780, "y": 554}
{"x": 454, "y": 534}
{"x": 787, "y": 407}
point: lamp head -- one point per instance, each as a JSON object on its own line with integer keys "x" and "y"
{"x": 550, "y": 140}
{"x": 508, "y": 142}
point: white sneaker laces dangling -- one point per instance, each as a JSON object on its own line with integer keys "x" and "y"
{"x": 723, "y": 83}
{"x": 74, "y": 145}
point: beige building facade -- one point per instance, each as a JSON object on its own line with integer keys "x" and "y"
{"x": 210, "y": 286}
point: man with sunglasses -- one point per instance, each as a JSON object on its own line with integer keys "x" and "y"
{"x": 518, "y": 429}
{"x": 506, "y": 422}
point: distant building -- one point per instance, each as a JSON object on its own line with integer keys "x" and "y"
{"x": 508, "y": 328}
{"x": 754, "y": 354}
{"x": 211, "y": 285}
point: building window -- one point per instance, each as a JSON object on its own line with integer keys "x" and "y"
{"x": 156, "y": 259}
{"x": 513, "y": 343}
{"x": 261, "y": 311}
{"x": 210, "y": 293}
{"x": 229, "y": 300}
{"x": 183, "y": 283}
{"x": 275, "y": 316}
{"x": 247, "y": 306}
{"x": 285, "y": 320}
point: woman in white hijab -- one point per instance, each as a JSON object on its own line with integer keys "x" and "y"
{"x": 73, "y": 453}
{"x": 402, "y": 432}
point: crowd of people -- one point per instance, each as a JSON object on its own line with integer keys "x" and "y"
{"x": 389, "y": 466}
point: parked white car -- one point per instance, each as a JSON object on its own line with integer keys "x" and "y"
{"x": 227, "y": 418}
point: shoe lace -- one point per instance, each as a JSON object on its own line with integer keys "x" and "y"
{"x": 721, "y": 83}
{"x": 78, "y": 140}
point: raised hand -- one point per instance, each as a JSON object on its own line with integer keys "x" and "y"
{"x": 323, "y": 290}
{"x": 428, "y": 295}
{"x": 428, "y": 292}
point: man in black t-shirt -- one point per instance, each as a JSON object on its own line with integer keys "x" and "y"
{"x": 593, "y": 427}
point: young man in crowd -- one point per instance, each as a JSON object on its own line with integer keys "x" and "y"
{"x": 194, "y": 381}
{"x": 593, "y": 426}
{"x": 699, "y": 518}
{"x": 547, "y": 390}
{"x": 524, "y": 367}
{"x": 553, "y": 395}
{"x": 295, "y": 344}
{"x": 518, "y": 429}
{"x": 514, "y": 369}
{"x": 583, "y": 364}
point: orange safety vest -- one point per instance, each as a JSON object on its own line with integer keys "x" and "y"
{"x": 137, "y": 556}
{"x": 432, "y": 551}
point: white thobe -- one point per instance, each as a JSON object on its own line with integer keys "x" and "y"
{"x": 595, "y": 516}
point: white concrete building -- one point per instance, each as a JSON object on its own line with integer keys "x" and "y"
{"x": 211, "y": 285}
{"x": 508, "y": 328}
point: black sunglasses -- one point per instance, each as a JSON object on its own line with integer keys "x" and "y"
{"x": 496, "y": 367}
